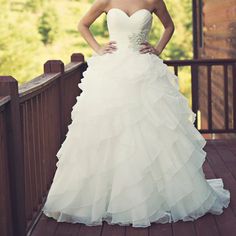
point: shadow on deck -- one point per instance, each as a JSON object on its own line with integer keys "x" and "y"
{"x": 220, "y": 163}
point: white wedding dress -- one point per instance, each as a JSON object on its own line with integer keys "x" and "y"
{"x": 132, "y": 154}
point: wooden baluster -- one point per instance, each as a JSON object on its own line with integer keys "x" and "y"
{"x": 194, "y": 88}
{"x": 39, "y": 147}
{"x": 176, "y": 70}
{"x": 226, "y": 103}
{"x": 209, "y": 102}
{"x": 33, "y": 155}
{"x": 43, "y": 144}
{"x": 27, "y": 158}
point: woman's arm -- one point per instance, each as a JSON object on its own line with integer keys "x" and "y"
{"x": 98, "y": 7}
{"x": 164, "y": 16}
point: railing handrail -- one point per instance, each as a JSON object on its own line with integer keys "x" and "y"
{"x": 4, "y": 100}
{"x": 200, "y": 61}
{"x": 31, "y": 88}
{"x": 44, "y": 79}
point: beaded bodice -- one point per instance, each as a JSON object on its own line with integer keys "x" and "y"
{"x": 129, "y": 31}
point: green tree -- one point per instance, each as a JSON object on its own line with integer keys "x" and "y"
{"x": 180, "y": 46}
{"x": 48, "y": 25}
{"x": 19, "y": 43}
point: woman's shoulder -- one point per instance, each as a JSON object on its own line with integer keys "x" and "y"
{"x": 155, "y": 4}
{"x": 101, "y": 4}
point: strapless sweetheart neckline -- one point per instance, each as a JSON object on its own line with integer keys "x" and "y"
{"x": 130, "y": 16}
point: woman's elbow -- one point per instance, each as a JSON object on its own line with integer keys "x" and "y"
{"x": 171, "y": 27}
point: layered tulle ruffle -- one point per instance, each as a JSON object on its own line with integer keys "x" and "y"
{"x": 132, "y": 154}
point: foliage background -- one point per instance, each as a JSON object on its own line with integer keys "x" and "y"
{"x": 34, "y": 31}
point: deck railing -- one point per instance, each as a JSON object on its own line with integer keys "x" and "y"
{"x": 33, "y": 125}
{"x": 213, "y": 92}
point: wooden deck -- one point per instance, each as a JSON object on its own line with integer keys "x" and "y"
{"x": 220, "y": 163}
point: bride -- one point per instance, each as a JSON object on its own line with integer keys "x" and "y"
{"x": 132, "y": 154}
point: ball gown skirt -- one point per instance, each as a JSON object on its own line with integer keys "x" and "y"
{"x": 132, "y": 155}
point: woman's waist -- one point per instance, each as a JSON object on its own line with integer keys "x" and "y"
{"x": 127, "y": 44}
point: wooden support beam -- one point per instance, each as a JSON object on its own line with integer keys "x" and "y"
{"x": 195, "y": 27}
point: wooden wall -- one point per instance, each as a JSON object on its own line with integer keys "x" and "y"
{"x": 216, "y": 38}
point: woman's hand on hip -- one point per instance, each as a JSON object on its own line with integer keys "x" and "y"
{"x": 146, "y": 47}
{"x": 107, "y": 48}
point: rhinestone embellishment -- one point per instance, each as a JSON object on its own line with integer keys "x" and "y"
{"x": 135, "y": 39}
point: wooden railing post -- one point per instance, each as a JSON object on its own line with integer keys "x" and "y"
{"x": 77, "y": 57}
{"x": 57, "y": 66}
{"x": 9, "y": 86}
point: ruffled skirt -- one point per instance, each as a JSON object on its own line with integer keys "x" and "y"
{"x": 132, "y": 154}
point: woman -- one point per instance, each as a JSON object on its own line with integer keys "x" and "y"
{"x": 132, "y": 154}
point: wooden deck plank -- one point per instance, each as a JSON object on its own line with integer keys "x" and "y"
{"x": 231, "y": 144}
{"x": 161, "y": 229}
{"x": 181, "y": 228}
{"x": 224, "y": 160}
{"x": 226, "y": 222}
{"x": 199, "y": 227}
{"x": 132, "y": 231}
{"x": 67, "y": 229}
{"x": 90, "y": 230}
{"x": 113, "y": 230}
{"x": 46, "y": 227}
{"x": 206, "y": 226}
{"x": 227, "y": 156}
